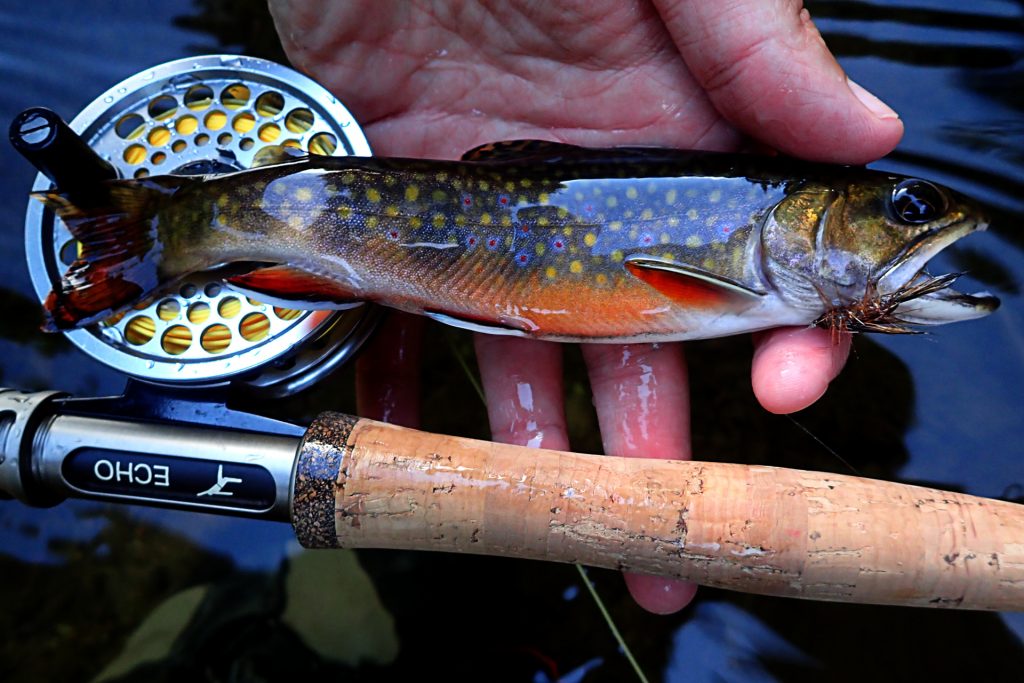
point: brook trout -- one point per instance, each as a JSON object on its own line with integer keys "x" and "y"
{"x": 537, "y": 239}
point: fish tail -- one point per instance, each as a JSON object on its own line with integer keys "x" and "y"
{"x": 119, "y": 253}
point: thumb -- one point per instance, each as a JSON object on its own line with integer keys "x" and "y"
{"x": 767, "y": 70}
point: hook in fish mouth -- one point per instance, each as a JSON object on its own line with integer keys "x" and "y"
{"x": 925, "y": 300}
{"x": 906, "y": 294}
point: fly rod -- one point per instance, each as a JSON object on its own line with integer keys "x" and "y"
{"x": 348, "y": 482}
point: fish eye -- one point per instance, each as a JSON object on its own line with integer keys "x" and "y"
{"x": 917, "y": 201}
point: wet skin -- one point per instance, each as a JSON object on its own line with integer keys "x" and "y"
{"x": 433, "y": 82}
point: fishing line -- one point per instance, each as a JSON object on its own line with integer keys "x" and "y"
{"x": 824, "y": 445}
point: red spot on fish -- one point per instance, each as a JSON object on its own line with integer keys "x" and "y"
{"x": 492, "y": 243}
{"x": 393, "y": 235}
{"x": 726, "y": 231}
{"x": 467, "y": 200}
{"x": 471, "y": 241}
{"x": 646, "y": 239}
{"x": 503, "y": 200}
{"x": 525, "y": 229}
{"x": 558, "y": 244}
{"x": 522, "y": 259}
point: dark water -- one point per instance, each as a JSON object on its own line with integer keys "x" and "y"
{"x": 147, "y": 595}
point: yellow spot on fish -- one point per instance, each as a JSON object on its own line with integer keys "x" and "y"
{"x": 373, "y": 195}
{"x": 692, "y": 214}
{"x": 617, "y": 255}
{"x": 578, "y": 196}
{"x": 551, "y": 272}
{"x": 508, "y": 241}
{"x": 612, "y": 202}
{"x": 294, "y": 222}
{"x": 615, "y": 226}
{"x": 391, "y": 211}
{"x": 670, "y": 197}
{"x": 601, "y": 278}
{"x": 222, "y": 219}
{"x": 525, "y": 182}
{"x": 222, "y": 201}
{"x": 389, "y": 180}
{"x": 590, "y": 239}
{"x": 484, "y": 185}
{"x": 460, "y": 220}
{"x": 348, "y": 178}
{"x": 708, "y": 264}
{"x": 631, "y": 192}
{"x": 279, "y": 188}
{"x": 303, "y": 194}
{"x": 544, "y": 198}
{"x": 693, "y": 241}
{"x": 510, "y": 186}
{"x": 485, "y": 219}
{"x": 412, "y": 193}
{"x": 437, "y": 220}
{"x": 673, "y": 222}
{"x": 539, "y": 249}
{"x": 691, "y": 193}
{"x": 543, "y": 221}
{"x": 597, "y": 191}
{"x": 668, "y": 256}
{"x": 715, "y": 196}
{"x": 506, "y": 220}
{"x": 633, "y": 234}
{"x": 567, "y": 232}
{"x": 563, "y": 213}
{"x": 372, "y": 221}
{"x": 665, "y": 238}
{"x": 441, "y": 176}
{"x": 647, "y": 214}
{"x": 575, "y": 267}
{"x": 415, "y": 222}
{"x": 438, "y": 195}
{"x": 345, "y": 212}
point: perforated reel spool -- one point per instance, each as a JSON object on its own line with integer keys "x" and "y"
{"x": 216, "y": 113}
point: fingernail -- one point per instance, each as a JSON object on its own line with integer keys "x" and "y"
{"x": 875, "y": 105}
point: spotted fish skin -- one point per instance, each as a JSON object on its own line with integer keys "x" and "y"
{"x": 566, "y": 244}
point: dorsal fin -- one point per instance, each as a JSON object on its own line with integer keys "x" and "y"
{"x": 548, "y": 151}
{"x": 691, "y": 286}
{"x": 506, "y": 150}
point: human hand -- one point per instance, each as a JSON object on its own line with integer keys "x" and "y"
{"x": 436, "y": 79}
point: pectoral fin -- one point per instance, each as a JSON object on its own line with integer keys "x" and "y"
{"x": 690, "y": 286}
{"x": 294, "y": 288}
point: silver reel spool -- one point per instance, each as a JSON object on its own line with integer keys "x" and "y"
{"x": 209, "y": 114}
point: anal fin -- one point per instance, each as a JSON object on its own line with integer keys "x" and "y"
{"x": 293, "y": 288}
{"x": 484, "y": 326}
{"x": 690, "y": 286}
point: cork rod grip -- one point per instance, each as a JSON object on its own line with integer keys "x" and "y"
{"x": 365, "y": 484}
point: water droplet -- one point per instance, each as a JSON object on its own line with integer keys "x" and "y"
{"x": 121, "y": 91}
{"x": 150, "y": 364}
{"x": 108, "y": 99}
{"x": 179, "y": 367}
{"x": 149, "y": 76}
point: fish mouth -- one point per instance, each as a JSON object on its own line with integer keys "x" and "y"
{"x": 924, "y": 299}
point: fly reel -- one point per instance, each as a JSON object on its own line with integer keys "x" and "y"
{"x": 211, "y": 114}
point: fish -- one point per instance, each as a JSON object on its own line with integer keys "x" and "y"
{"x": 537, "y": 239}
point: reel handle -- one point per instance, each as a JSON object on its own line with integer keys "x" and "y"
{"x": 366, "y": 484}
